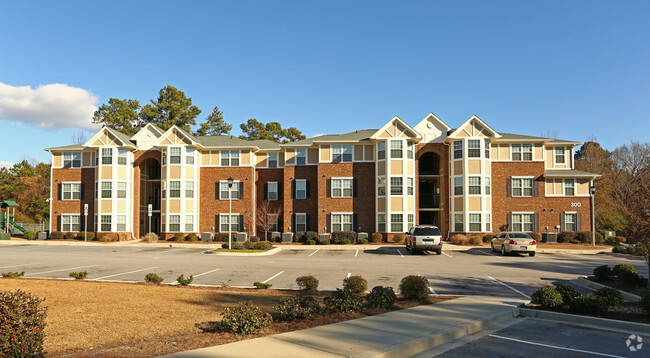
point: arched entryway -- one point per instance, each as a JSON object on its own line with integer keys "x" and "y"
{"x": 150, "y": 194}
{"x": 429, "y": 182}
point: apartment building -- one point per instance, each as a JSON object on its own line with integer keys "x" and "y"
{"x": 464, "y": 180}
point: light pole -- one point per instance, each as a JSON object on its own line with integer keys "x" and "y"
{"x": 230, "y": 180}
{"x": 592, "y": 190}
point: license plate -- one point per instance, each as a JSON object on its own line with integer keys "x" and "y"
{"x": 523, "y": 247}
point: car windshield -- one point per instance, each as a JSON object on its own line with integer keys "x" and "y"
{"x": 426, "y": 231}
{"x": 519, "y": 235}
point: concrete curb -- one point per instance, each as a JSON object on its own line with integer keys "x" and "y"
{"x": 272, "y": 251}
{"x": 630, "y": 297}
{"x": 600, "y": 323}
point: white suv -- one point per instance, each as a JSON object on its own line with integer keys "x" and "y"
{"x": 424, "y": 237}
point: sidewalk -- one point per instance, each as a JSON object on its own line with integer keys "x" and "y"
{"x": 394, "y": 334}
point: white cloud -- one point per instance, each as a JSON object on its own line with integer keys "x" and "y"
{"x": 318, "y": 135}
{"x": 49, "y": 106}
{"x": 6, "y": 164}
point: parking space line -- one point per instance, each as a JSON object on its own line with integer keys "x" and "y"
{"x": 446, "y": 254}
{"x": 205, "y": 273}
{"x": 349, "y": 273}
{"x": 313, "y": 252}
{"x": 124, "y": 273}
{"x": 491, "y": 254}
{"x": 400, "y": 252}
{"x": 510, "y": 287}
{"x": 272, "y": 277}
{"x": 432, "y": 291}
{"x": 356, "y": 253}
{"x": 173, "y": 250}
{"x": 65, "y": 269}
{"x": 35, "y": 263}
{"x": 555, "y": 347}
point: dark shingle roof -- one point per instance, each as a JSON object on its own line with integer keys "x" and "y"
{"x": 568, "y": 173}
{"x": 362, "y": 135}
{"x": 67, "y": 147}
{"x": 232, "y": 141}
{"x": 510, "y": 136}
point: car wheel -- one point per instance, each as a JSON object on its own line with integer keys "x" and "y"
{"x": 492, "y": 246}
{"x": 531, "y": 254}
{"x": 412, "y": 250}
{"x": 503, "y": 250}
{"x": 439, "y": 252}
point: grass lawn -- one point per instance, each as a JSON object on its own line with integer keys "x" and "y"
{"x": 100, "y": 319}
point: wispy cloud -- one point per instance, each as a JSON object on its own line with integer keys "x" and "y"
{"x": 6, "y": 164}
{"x": 50, "y": 106}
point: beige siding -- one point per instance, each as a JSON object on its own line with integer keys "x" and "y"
{"x": 358, "y": 152}
{"x": 174, "y": 205}
{"x": 245, "y": 157}
{"x": 106, "y": 206}
{"x": 289, "y": 155}
{"x": 381, "y": 169}
{"x": 558, "y": 187}
{"x": 87, "y": 159}
{"x": 458, "y": 204}
{"x": 214, "y": 157}
{"x": 409, "y": 168}
{"x": 504, "y": 151}
{"x": 121, "y": 207}
{"x": 122, "y": 173}
{"x": 385, "y": 134}
{"x": 57, "y": 160}
{"x": 281, "y": 159}
{"x": 205, "y": 158}
{"x": 189, "y": 207}
{"x": 411, "y": 204}
{"x": 262, "y": 160}
{"x": 488, "y": 167}
{"x": 458, "y": 167}
{"x": 538, "y": 152}
{"x": 582, "y": 187}
{"x": 396, "y": 204}
{"x": 325, "y": 153}
{"x": 174, "y": 172}
{"x": 549, "y": 157}
{"x": 189, "y": 173}
{"x": 396, "y": 167}
{"x": 381, "y": 205}
{"x": 488, "y": 206}
{"x": 370, "y": 152}
{"x": 107, "y": 173}
{"x": 494, "y": 152}
{"x": 474, "y": 166}
{"x": 474, "y": 203}
{"x": 550, "y": 187}
{"x": 312, "y": 155}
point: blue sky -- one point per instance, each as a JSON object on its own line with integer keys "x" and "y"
{"x": 580, "y": 68}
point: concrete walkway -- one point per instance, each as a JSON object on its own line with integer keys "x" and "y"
{"x": 395, "y": 334}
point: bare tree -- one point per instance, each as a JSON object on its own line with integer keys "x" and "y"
{"x": 267, "y": 216}
{"x": 249, "y": 221}
{"x": 553, "y": 134}
{"x": 79, "y": 137}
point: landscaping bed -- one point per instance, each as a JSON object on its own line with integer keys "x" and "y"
{"x": 571, "y": 246}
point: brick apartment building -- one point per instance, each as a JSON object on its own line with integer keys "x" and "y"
{"x": 464, "y": 180}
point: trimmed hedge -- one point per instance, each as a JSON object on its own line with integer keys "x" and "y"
{"x": 356, "y": 284}
{"x": 547, "y": 297}
{"x": 30, "y": 235}
{"x": 611, "y": 296}
{"x": 308, "y": 282}
{"x": 343, "y": 300}
{"x": 376, "y": 237}
{"x": 339, "y": 236}
{"x": 56, "y": 235}
{"x": 568, "y": 293}
{"x": 244, "y": 319}
{"x": 381, "y": 297}
{"x": 602, "y": 273}
{"x": 414, "y": 287}
{"x": 566, "y": 236}
{"x": 292, "y": 309}
{"x": 23, "y": 324}
{"x": 589, "y": 305}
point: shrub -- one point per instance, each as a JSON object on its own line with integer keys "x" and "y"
{"x": 233, "y": 246}
{"x": 311, "y": 235}
{"x": 192, "y": 237}
{"x": 377, "y": 237}
{"x": 299, "y": 237}
{"x": 153, "y": 278}
{"x": 600, "y": 239}
{"x": 488, "y": 238}
{"x": 106, "y": 237}
{"x": 576, "y": 241}
{"x": 69, "y": 236}
{"x": 458, "y": 239}
{"x": 30, "y": 235}
{"x": 324, "y": 242}
{"x": 178, "y": 236}
{"x": 255, "y": 239}
{"x": 13, "y": 274}
{"x": 589, "y": 305}
{"x": 362, "y": 241}
{"x": 620, "y": 239}
{"x": 244, "y": 319}
{"x": 262, "y": 245}
{"x": 536, "y": 236}
{"x": 398, "y": 238}
{"x": 611, "y": 296}
{"x": 308, "y": 282}
{"x": 338, "y": 236}
{"x": 645, "y": 303}
{"x": 145, "y": 237}
{"x": 56, "y": 235}
{"x": 355, "y": 284}
{"x": 90, "y": 236}
{"x": 602, "y": 273}
{"x": 381, "y": 297}
{"x": 640, "y": 249}
{"x": 343, "y": 300}
{"x": 23, "y": 322}
{"x": 184, "y": 281}
{"x": 584, "y": 237}
{"x": 547, "y": 297}
{"x": 78, "y": 275}
{"x": 475, "y": 240}
{"x": 610, "y": 241}
{"x": 566, "y": 236}
{"x": 297, "y": 308}
{"x": 414, "y": 287}
{"x": 221, "y": 237}
{"x": 345, "y": 242}
{"x": 619, "y": 250}
{"x": 311, "y": 242}
{"x": 262, "y": 285}
{"x": 247, "y": 245}
{"x": 627, "y": 274}
{"x": 567, "y": 292}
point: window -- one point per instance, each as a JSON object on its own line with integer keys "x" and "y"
{"x": 70, "y": 223}
{"x": 272, "y": 191}
{"x": 341, "y": 188}
{"x": 229, "y": 158}
{"x": 121, "y": 223}
{"x": 409, "y": 186}
{"x": 458, "y": 149}
{"x": 487, "y": 149}
{"x": 175, "y": 155}
{"x": 474, "y": 185}
{"x": 121, "y": 189}
{"x": 233, "y": 222}
{"x": 301, "y": 156}
{"x": 458, "y": 222}
{"x": 106, "y": 223}
{"x": 381, "y": 186}
{"x": 559, "y": 155}
{"x": 107, "y": 156}
{"x": 522, "y": 222}
{"x": 273, "y": 160}
{"x": 225, "y": 190}
{"x": 487, "y": 186}
{"x": 411, "y": 221}
{"x": 522, "y": 186}
{"x": 474, "y": 148}
{"x": 341, "y": 153}
{"x": 381, "y": 150}
{"x": 121, "y": 156}
{"x": 409, "y": 150}
{"x": 96, "y": 190}
{"x": 342, "y": 222}
{"x": 164, "y": 156}
{"x": 381, "y": 222}
{"x": 488, "y": 223}
{"x": 174, "y": 223}
{"x": 301, "y": 189}
{"x": 189, "y": 189}
{"x": 570, "y": 222}
{"x": 522, "y": 152}
{"x": 189, "y": 223}
{"x": 396, "y": 184}
{"x": 475, "y": 222}
{"x": 569, "y": 187}
{"x": 71, "y": 191}
{"x": 301, "y": 222}
{"x": 107, "y": 188}
{"x": 189, "y": 156}
{"x": 458, "y": 186}
{"x": 396, "y": 149}
{"x": 72, "y": 160}
{"x": 396, "y": 224}
{"x": 175, "y": 189}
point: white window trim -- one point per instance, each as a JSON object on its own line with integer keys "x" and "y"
{"x": 577, "y": 229}
{"x": 277, "y": 191}
{"x": 180, "y": 189}
{"x": 453, "y": 185}
{"x": 184, "y": 224}
{"x": 126, "y": 157}
{"x": 81, "y": 160}
{"x": 389, "y": 221}
{"x": 412, "y": 177}
{"x": 462, "y": 149}
{"x": 81, "y": 221}
{"x": 332, "y": 221}
{"x": 101, "y": 189}
{"x": 342, "y": 178}
{"x": 522, "y": 223}
{"x": 194, "y": 196}
{"x": 180, "y": 155}
{"x": 566, "y": 159}
{"x": 63, "y": 190}
{"x": 385, "y": 221}
{"x": 512, "y": 187}
{"x": 221, "y": 215}
{"x": 295, "y": 156}
{"x": 295, "y": 195}
{"x": 484, "y": 185}
{"x": 575, "y": 187}
{"x": 277, "y": 160}
{"x": 386, "y": 185}
{"x": 341, "y": 145}
{"x": 117, "y": 189}
{"x": 481, "y": 185}
{"x": 235, "y": 187}
{"x": 469, "y": 223}
{"x": 296, "y": 221}
{"x": 521, "y": 146}
{"x": 180, "y": 222}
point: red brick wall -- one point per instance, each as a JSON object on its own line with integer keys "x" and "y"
{"x": 264, "y": 176}
{"x": 139, "y": 157}
{"x": 83, "y": 175}
{"x": 307, "y": 206}
{"x": 443, "y": 152}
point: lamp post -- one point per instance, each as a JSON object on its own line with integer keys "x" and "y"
{"x": 592, "y": 190}
{"x": 230, "y": 181}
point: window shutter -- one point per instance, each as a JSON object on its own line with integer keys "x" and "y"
{"x": 82, "y": 187}
{"x": 329, "y": 188}
{"x": 280, "y": 225}
{"x": 266, "y": 191}
{"x": 280, "y": 197}
{"x": 509, "y": 228}
{"x": 217, "y": 191}
{"x": 217, "y": 228}
{"x": 293, "y": 189}
{"x": 308, "y": 189}
{"x": 241, "y": 190}
{"x": 354, "y": 188}
{"x": 241, "y": 223}
{"x": 60, "y": 190}
{"x": 562, "y": 222}
{"x": 307, "y": 226}
{"x": 535, "y": 188}
{"x": 354, "y": 221}
{"x": 329, "y": 223}
{"x": 293, "y": 222}
{"x": 536, "y": 222}
{"x": 578, "y": 222}
{"x": 509, "y": 187}
{"x": 58, "y": 222}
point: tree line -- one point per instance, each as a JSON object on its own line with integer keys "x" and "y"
{"x": 173, "y": 107}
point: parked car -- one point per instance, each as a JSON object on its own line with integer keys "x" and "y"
{"x": 424, "y": 237}
{"x": 514, "y": 242}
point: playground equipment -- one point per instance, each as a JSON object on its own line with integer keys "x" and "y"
{"x": 7, "y": 219}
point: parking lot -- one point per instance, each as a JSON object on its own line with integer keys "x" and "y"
{"x": 474, "y": 271}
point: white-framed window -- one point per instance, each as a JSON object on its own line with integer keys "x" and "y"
{"x": 473, "y": 148}
{"x": 106, "y": 223}
{"x": 487, "y": 149}
{"x": 396, "y": 223}
{"x": 107, "y": 189}
{"x": 273, "y": 160}
{"x": 175, "y": 155}
{"x": 227, "y": 192}
{"x": 458, "y": 222}
{"x": 396, "y": 186}
{"x": 381, "y": 222}
{"x": 396, "y": 149}
{"x": 522, "y": 186}
{"x": 301, "y": 222}
{"x": 107, "y": 156}
{"x": 224, "y": 221}
{"x": 189, "y": 223}
{"x": 72, "y": 159}
{"x": 71, "y": 191}
{"x": 301, "y": 156}
{"x": 120, "y": 222}
{"x": 229, "y": 158}
{"x": 301, "y": 189}
{"x": 189, "y": 189}
{"x": 272, "y": 190}
{"x": 341, "y": 153}
{"x": 174, "y": 223}
{"x": 409, "y": 186}
{"x": 570, "y": 222}
{"x": 121, "y": 189}
{"x": 342, "y": 187}
{"x": 122, "y": 156}
{"x": 560, "y": 157}
{"x": 569, "y": 187}
{"x": 458, "y": 186}
{"x": 474, "y": 185}
{"x": 458, "y": 149}
{"x": 475, "y": 222}
{"x": 381, "y": 150}
{"x": 522, "y": 222}
{"x": 381, "y": 186}
{"x": 189, "y": 156}
{"x": 70, "y": 223}
{"x": 488, "y": 188}
{"x": 409, "y": 150}
{"x": 488, "y": 222}
{"x": 342, "y": 222}
{"x": 522, "y": 152}
{"x": 411, "y": 221}
{"x": 175, "y": 189}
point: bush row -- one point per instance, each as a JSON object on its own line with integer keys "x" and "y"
{"x": 248, "y": 245}
{"x": 623, "y": 273}
{"x": 583, "y": 237}
{"x": 638, "y": 249}
{"x": 565, "y": 296}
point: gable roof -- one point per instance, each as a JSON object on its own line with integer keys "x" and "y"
{"x": 474, "y": 117}
{"x": 414, "y": 133}
{"x": 432, "y": 117}
{"x": 230, "y": 141}
{"x": 125, "y": 139}
{"x": 71, "y": 147}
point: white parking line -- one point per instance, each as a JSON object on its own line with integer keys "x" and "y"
{"x": 555, "y": 347}
{"x": 510, "y": 287}
{"x": 313, "y": 252}
{"x": 124, "y": 273}
{"x": 173, "y": 250}
{"x": 356, "y": 253}
{"x": 35, "y": 263}
{"x": 272, "y": 277}
{"x": 65, "y": 269}
{"x": 205, "y": 273}
{"x": 349, "y": 273}
{"x": 400, "y": 253}
{"x": 446, "y": 254}
{"x": 491, "y": 254}
{"x": 432, "y": 291}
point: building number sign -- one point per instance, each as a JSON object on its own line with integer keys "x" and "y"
{"x": 576, "y": 205}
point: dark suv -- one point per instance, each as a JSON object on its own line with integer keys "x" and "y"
{"x": 424, "y": 237}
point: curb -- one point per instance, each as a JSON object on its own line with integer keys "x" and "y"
{"x": 272, "y": 251}
{"x": 593, "y": 322}
{"x": 630, "y": 297}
